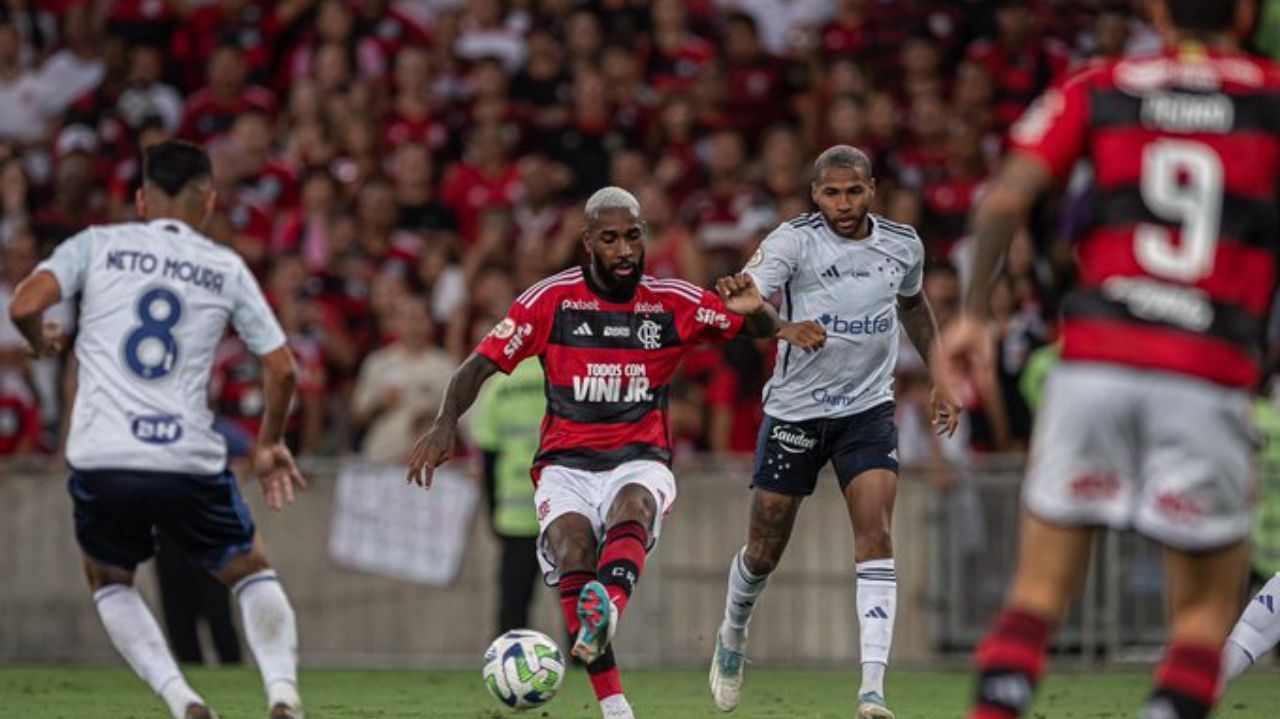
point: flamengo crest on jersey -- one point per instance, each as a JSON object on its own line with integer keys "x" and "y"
{"x": 608, "y": 364}
{"x": 155, "y": 301}
{"x": 850, "y": 287}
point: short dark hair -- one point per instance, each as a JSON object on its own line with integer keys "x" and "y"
{"x": 172, "y": 165}
{"x": 841, "y": 156}
{"x": 1202, "y": 15}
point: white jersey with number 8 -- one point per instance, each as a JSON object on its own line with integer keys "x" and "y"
{"x": 155, "y": 301}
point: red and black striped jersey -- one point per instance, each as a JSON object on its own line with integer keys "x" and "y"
{"x": 607, "y": 364}
{"x": 1177, "y": 269}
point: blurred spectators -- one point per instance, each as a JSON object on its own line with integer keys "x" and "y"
{"x": 378, "y": 159}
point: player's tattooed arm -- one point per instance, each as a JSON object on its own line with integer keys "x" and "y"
{"x": 435, "y": 446}
{"x": 1003, "y": 211}
{"x": 917, "y": 319}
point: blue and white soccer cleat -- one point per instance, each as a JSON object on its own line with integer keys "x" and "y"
{"x": 599, "y": 622}
{"x": 727, "y": 667}
{"x": 871, "y": 706}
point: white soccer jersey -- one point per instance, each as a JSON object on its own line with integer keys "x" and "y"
{"x": 155, "y": 301}
{"x": 851, "y": 288}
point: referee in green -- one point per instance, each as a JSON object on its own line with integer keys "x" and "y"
{"x": 508, "y": 414}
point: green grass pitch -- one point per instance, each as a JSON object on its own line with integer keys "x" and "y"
{"x": 60, "y": 693}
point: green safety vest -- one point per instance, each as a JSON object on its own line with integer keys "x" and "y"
{"x": 1266, "y": 528}
{"x": 508, "y": 420}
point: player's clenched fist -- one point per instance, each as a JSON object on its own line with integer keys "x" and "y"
{"x": 740, "y": 294}
{"x": 808, "y": 335}
{"x": 430, "y": 451}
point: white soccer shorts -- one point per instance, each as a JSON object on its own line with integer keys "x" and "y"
{"x": 562, "y": 491}
{"x": 1170, "y": 456}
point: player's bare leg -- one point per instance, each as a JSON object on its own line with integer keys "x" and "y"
{"x": 572, "y": 542}
{"x": 269, "y": 627}
{"x": 1052, "y": 560}
{"x": 1203, "y": 590}
{"x": 136, "y": 635}
{"x": 870, "y": 497}
{"x": 773, "y": 515}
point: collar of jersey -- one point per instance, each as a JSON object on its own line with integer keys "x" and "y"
{"x": 164, "y": 223}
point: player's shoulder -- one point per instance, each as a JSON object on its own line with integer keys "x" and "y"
{"x": 548, "y": 291}
{"x": 899, "y": 233}
{"x": 673, "y": 288}
{"x": 801, "y": 227}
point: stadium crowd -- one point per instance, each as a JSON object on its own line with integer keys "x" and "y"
{"x": 396, "y": 172}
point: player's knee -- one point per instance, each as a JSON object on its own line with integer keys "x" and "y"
{"x": 242, "y": 565}
{"x": 575, "y": 553}
{"x": 634, "y": 504}
{"x": 101, "y": 575}
{"x": 761, "y": 560}
{"x": 873, "y": 543}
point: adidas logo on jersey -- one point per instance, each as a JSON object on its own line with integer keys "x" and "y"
{"x": 831, "y": 272}
{"x": 1268, "y": 601}
{"x": 584, "y": 330}
{"x": 877, "y": 613}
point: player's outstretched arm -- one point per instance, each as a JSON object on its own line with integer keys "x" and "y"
{"x": 742, "y": 297}
{"x": 435, "y": 446}
{"x": 34, "y": 295}
{"x": 272, "y": 459}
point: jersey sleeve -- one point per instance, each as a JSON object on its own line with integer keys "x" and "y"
{"x": 69, "y": 263}
{"x": 913, "y": 279}
{"x": 521, "y": 334}
{"x": 775, "y": 260}
{"x": 709, "y": 320}
{"x": 1056, "y": 126}
{"x": 252, "y": 316}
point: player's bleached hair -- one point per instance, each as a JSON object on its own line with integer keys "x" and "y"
{"x": 611, "y": 197}
{"x": 842, "y": 156}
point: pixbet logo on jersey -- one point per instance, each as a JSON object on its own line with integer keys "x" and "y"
{"x": 858, "y": 325}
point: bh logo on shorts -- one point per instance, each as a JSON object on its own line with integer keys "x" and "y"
{"x": 792, "y": 439}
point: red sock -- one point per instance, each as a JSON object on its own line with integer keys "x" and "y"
{"x": 604, "y": 676}
{"x": 1010, "y": 662}
{"x": 571, "y": 585}
{"x": 622, "y": 560}
{"x": 1187, "y": 681}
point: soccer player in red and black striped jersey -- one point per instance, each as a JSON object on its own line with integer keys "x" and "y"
{"x": 609, "y": 338}
{"x": 1144, "y": 423}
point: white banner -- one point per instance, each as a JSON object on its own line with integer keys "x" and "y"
{"x": 383, "y": 526}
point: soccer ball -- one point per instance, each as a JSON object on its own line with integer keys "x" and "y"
{"x": 523, "y": 669}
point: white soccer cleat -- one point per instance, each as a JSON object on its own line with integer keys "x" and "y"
{"x": 871, "y": 706}
{"x": 599, "y": 623}
{"x": 726, "y": 676}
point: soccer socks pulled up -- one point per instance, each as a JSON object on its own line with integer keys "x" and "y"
{"x": 603, "y": 672}
{"x": 1010, "y": 662}
{"x": 622, "y": 561}
{"x": 740, "y": 600}
{"x": 272, "y": 634}
{"x": 1255, "y": 634}
{"x": 877, "y": 606}
{"x": 1186, "y": 683}
{"x": 136, "y": 635}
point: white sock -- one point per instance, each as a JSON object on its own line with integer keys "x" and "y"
{"x": 740, "y": 600}
{"x": 1255, "y": 634}
{"x": 272, "y": 633}
{"x": 615, "y": 703}
{"x": 137, "y": 636}
{"x": 877, "y": 605}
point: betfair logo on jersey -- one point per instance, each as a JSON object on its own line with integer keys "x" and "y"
{"x": 605, "y": 383}
{"x": 858, "y": 325}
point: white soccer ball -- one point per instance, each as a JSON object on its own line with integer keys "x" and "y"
{"x": 523, "y": 669}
